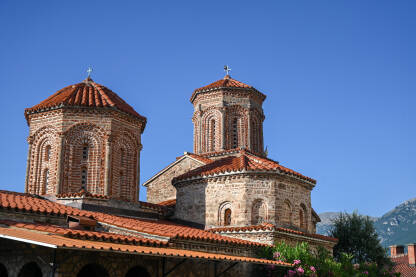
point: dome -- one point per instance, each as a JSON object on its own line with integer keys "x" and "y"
{"x": 85, "y": 94}
{"x": 226, "y": 83}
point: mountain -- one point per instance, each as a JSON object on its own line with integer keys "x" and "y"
{"x": 397, "y": 226}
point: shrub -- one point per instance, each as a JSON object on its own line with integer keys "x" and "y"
{"x": 318, "y": 263}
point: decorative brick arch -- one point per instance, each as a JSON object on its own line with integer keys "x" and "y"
{"x": 256, "y": 132}
{"x": 42, "y": 161}
{"x": 211, "y": 130}
{"x": 125, "y": 164}
{"x": 236, "y": 117}
{"x": 76, "y": 139}
{"x": 259, "y": 212}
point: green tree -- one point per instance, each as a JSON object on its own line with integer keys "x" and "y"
{"x": 357, "y": 237}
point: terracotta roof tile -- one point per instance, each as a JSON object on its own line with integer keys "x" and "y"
{"x": 83, "y": 234}
{"x": 317, "y": 236}
{"x": 260, "y": 227}
{"x": 226, "y": 82}
{"x": 270, "y": 227}
{"x": 85, "y": 94}
{"x": 243, "y": 162}
{"x": 164, "y": 228}
{"x": 168, "y": 203}
{"x": 72, "y": 243}
{"x": 402, "y": 266}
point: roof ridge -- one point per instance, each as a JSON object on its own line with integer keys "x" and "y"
{"x": 84, "y": 94}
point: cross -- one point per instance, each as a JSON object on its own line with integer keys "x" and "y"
{"x": 227, "y": 69}
{"x": 89, "y": 70}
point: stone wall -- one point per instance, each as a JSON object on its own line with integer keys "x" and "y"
{"x": 252, "y": 198}
{"x": 160, "y": 188}
{"x": 101, "y": 147}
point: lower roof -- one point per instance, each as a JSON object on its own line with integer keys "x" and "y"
{"x": 241, "y": 162}
{"x": 52, "y": 237}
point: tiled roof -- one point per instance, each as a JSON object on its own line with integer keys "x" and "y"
{"x": 168, "y": 203}
{"x": 85, "y": 94}
{"x": 402, "y": 266}
{"x": 243, "y": 162}
{"x": 86, "y": 235}
{"x": 270, "y": 227}
{"x": 260, "y": 227}
{"x": 164, "y": 228}
{"x": 51, "y": 239}
{"x": 316, "y": 236}
{"x": 226, "y": 82}
{"x": 198, "y": 158}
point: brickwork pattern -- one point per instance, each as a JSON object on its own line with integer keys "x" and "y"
{"x": 227, "y": 119}
{"x": 101, "y": 147}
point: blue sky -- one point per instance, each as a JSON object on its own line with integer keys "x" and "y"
{"x": 340, "y": 80}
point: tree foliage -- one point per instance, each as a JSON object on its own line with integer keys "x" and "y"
{"x": 357, "y": 237}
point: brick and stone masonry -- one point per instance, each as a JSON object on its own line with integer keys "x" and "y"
{"x": 85, "y": 144}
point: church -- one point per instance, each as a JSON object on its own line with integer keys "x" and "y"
{"x": 208, "y": 213}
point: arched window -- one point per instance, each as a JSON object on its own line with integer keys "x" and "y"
{"x": 93, "y": 270}
{"x": 84, "y": 176}
{"x": 224, "y": 214}
{"x": 85, "y": 152}
{"x": 227, "y": 217}
{"x": 287, "y": 213}
{"x": 212, "y": 135}
{"x": 258, "y": 212}
{"x": 47, "y": 153}
{"x": 30, "y": 270}
{"x": 303, "y": 223}
{"x": 234, "y": 133}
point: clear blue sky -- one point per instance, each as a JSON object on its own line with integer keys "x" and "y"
{"x": 340, "y": 77}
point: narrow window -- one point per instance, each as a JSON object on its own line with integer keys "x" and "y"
{"x": 234, "y": 134}
{"x": 301, "y": 222}
{"x": 85, "y": 152}
{"x": 227, "y": 217}
{"x": 122, "y": 157}
{"x": 121, "y": 184}
{"x": 84, "y": 174}
{"x": 255, "y": 132}
{"x": 47, "y": 153}
{"x": 212, "y": 135}
{"x": 46, "y": 180}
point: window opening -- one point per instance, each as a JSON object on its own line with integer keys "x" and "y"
{"x": 227, "y": 217}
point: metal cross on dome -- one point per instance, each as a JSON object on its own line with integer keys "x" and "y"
{"x": 89, "y": 70}
{"x": 227, "y": 69}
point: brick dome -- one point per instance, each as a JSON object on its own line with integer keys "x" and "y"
{"x": 84, "y": 94}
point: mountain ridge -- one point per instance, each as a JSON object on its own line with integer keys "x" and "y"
{"x": 397, "y": 226}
